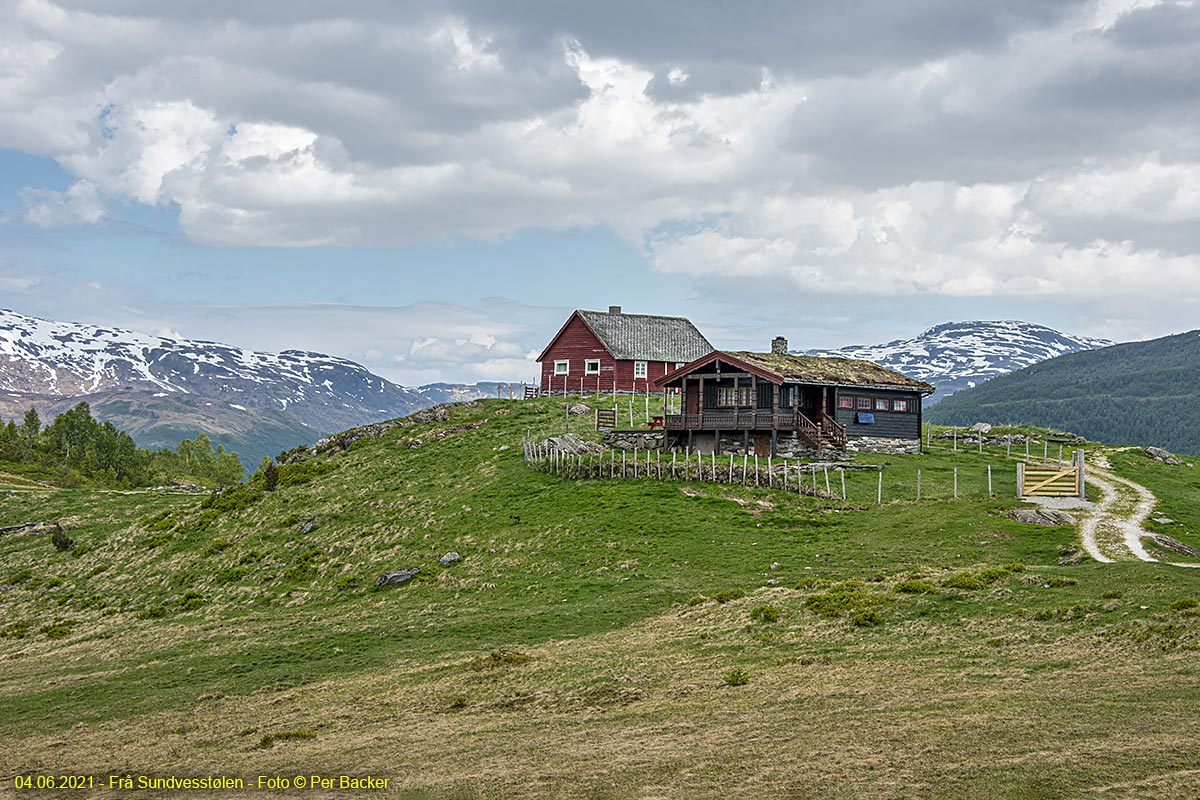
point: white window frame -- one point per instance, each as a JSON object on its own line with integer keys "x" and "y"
{"x": 639, "y": 370}
{"x": 588, "y": 368}
{"x": 562, "y": 367}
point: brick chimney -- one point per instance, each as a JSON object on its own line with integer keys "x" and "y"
{"x": 614, "y": 309}
{"x": 779, "y": 346}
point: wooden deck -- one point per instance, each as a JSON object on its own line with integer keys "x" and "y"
{"x": 828, "y": 434}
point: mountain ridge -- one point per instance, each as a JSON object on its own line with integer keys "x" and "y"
{"x": 958, "y": 355}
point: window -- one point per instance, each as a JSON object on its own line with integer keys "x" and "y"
{"x": 845, "y": 401}
{"x": 863, "y": 403}
{"x": 882, "y": 404}
{"x": 639, "y": 369}
{"x": 562, "y": 367}
{"x": 729, "y": 396}
{"x": 592, "y": 366}
{"x": 900, "y": 405}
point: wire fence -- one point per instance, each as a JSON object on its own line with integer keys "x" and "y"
{"x": 846, "y": 482}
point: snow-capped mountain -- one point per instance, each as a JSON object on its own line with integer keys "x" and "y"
{"x": 65, "y": 359}
{"x": 162, "y": 390}
{"x": 957, "y": 355}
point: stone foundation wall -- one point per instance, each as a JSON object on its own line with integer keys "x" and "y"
{"x": 786, "y": 446}
{"x": 631, "y": 440}
{"x": 875, "y": 444}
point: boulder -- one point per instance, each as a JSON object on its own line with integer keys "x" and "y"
{"x": 1047, "y": 517}
{"x": 449, "y": 558}
{"x": 309, "y": 525}
{"x": 397, "y": 577}
{"x": 579, "y": 408}
{"x": 1173, "y": 544}
{"x": 981, "y": 427}
{"x": 428, "y": 415}
{"x": 1158, "y": 454}
{"x": 571, "y": 443}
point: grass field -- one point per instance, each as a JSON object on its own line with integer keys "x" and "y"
{"x": 611, "y": 638}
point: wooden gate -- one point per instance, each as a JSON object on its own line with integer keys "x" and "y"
{"x": 1051, "y": 481}
{"x": 606, "y": 418}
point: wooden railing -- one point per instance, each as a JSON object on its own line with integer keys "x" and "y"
{"x": 827, "y": 433}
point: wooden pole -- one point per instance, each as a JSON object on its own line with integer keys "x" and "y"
{"x": 827, "y": 480}
{"x": 956, "y": 483}
{"x": 981, "y": 443}
{"x": 731, "y": 468}
{"x": 745, "y": 459}
{"x": 918, "y": 483}
{"x": 989, "y": 480}
{"x": 1008, "y": 446}
{"x": 1045, "y": 452}
{"x": 956, "y": 438}
{"x": 1027, "y": 449}
{"x": 1060, "y": 455}
{"x": 1020, "y": 477}
{"x": 843, "y": 484}
{"x": 673, "y": 454}
{"x": 756, "y": 469}
{"x": 879, "y": 489}
{"x": 622, "y": 463}
{"x": 770, "y": 473}
{"x": 635, "y": 460}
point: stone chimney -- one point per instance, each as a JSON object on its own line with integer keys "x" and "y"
{"x": 779, "y": 346}
{"x": 614, "y": 309}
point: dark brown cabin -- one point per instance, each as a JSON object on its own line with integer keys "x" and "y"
{"x": 606, "y": 351}
{"x": 781, "y": 404}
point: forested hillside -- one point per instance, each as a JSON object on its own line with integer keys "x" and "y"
{"x": 76, "y": 449}
{"x": 1144, "y": 393}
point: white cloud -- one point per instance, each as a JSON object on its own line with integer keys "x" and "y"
{"x": 78, "y": 205}
{"x": 806, "y": 151}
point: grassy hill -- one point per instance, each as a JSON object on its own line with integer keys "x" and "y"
{"x": 611, "y": 638}
{"x": 1144, "y": 393}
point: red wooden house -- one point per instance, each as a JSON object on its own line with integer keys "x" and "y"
{"x": 606, "y": 351}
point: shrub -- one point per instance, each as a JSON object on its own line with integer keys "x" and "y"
{"x": 154, "y": 612}
{"x": 346, "y": 582}
{"x": 766, "y": 613}
{"x": 696, "y": 599}
{"x": 14, "y": 630}
{"x": 229, "y": 575}
{"x": 729, "y": 594}
{"x": 216, "y": 546}
{"x": 736, "y": 677}
{"x": 270, "y": 739}
{"x": 191, "y": 601}
{"x": 270, "y": 477}
{"x": 813, "y": 583}
{"x": 458, "y": 701}
{"x": 1113, "y": 594}
{"x": 80, "y": 550}
{"x": 498, "y": 659}
{"x": 62, "y": 543}
{"x": 58, "y": 630}
{"x": 1185, "y": 604}
{"x": 915, "y": 586}
{"x": 1057, "y": 581}
{"x": 303, "y": 472}
{"x": 233, "y": 499}
{"x": 866, "y": 616}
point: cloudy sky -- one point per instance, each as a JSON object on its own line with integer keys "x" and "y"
{"x": 429, "y": 188}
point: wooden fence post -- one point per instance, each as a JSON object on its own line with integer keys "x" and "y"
{"x": 956, "y": 483}
{"x": 879, "y": 489}
{"x": 990, "y": 480}
{"x": 843, "y": 484}
{"x": 1020, "y": 477}
{"x": 756, "y": 469}
{"x": 918, "y": 483}
{"x": 956, "y": 438}
{"x": 827, "y": 480}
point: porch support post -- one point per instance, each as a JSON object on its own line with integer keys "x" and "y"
{"x": 774, "y": 439}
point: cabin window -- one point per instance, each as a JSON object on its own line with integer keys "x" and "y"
{"x": 845, "y": 401}
{"x": 730, "y": 396}
{"x": 900, "y": 405}
{"x": 592, "y": 366}
{"x": 562, "y": 367}
{"x": 882, "y": 404}
{"x": 863, "y": 403}
{"x": 639, "y": 369}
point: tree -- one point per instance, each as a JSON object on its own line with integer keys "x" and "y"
{"x": 31, "y": 426}
{"x": 270, "y": 476}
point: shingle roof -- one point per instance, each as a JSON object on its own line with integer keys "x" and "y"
{"x": 645, "y": 337}
{"x": 839, "y": 371}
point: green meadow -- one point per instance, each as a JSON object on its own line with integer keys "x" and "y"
{"x": 600, "y": 638}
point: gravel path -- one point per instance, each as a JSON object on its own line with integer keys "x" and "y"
{"x": 1113, "y": 531}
